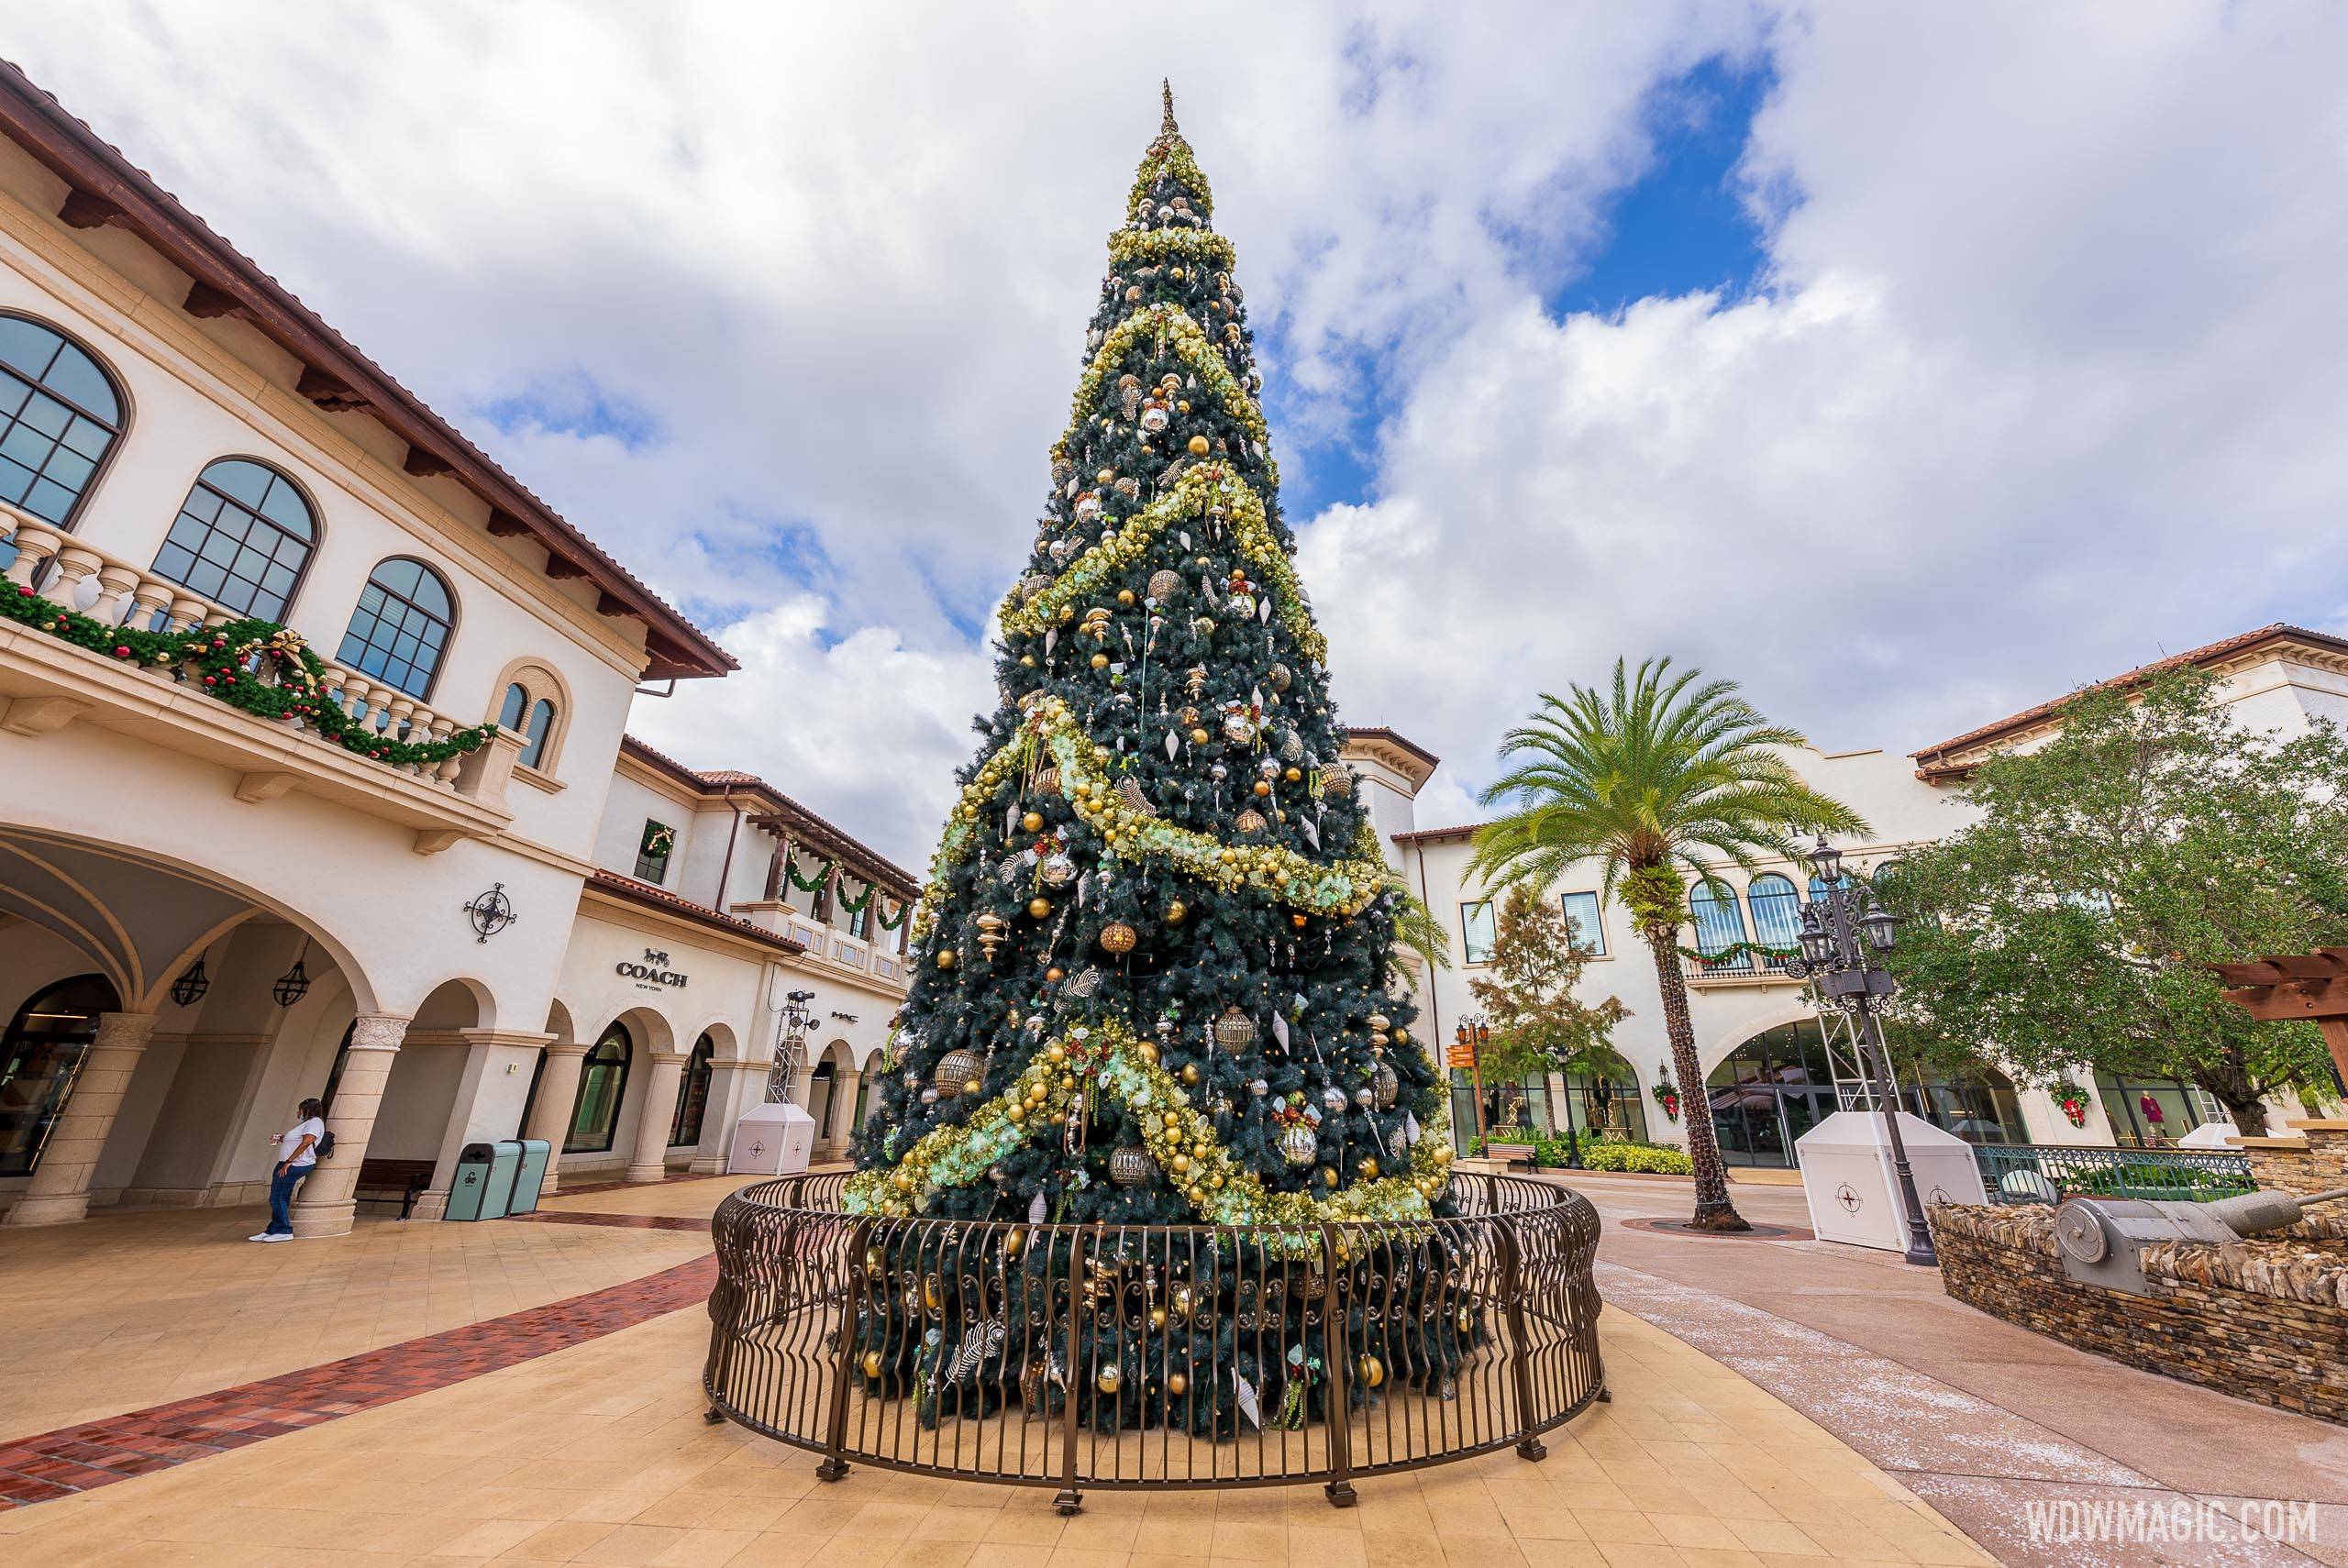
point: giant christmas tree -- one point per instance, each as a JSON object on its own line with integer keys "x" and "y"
{"x": 1152, "y": 959}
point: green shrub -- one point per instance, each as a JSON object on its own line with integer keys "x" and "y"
{"x": 1652, "y": 1158}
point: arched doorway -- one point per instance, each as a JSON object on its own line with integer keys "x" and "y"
{"x": 1770, "y": 1090}
{"x": 692, "y": 1094}
{"x": 603, "y": 1084}
{"x": 40, "y": 1057}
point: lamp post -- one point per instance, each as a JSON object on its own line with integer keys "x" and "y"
{"x": 1843, "y": 930}
{"x": 1472, "y": 1036}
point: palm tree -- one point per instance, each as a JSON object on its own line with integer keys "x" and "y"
{"x": 1652, "y": 779}
{"x": 1416, "y": 929}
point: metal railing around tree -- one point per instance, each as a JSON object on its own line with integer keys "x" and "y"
{"x": 1363, "y": 1347}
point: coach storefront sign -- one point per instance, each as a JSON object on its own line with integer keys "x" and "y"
{"x": 654, "y": 973}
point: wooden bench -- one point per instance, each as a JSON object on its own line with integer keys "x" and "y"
{"x": 1509, "y": 1153}
{"x": 403, "y": 1180}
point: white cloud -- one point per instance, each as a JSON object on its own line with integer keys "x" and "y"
{"x": 2046, "y": 370}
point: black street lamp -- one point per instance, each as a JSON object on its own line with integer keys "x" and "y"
{"x": 789, "y": 1043}
{"x": 1843, "y": 930}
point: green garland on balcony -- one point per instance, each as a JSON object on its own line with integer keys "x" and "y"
{"x": 219, "y": 660}
{"x": 805, "y": 885}
{"x": 1735, "y": 950}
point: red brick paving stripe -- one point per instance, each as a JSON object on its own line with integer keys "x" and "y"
{"x": 98, "y": 1453}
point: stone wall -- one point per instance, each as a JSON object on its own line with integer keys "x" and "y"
{"x": 2265, "y": 1320}
{"x": 2313, "y": 1157}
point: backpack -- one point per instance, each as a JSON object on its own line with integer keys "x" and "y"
{"x": 324, "y": 1148}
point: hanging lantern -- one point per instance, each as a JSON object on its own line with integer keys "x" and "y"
{"x": 1117, "y": 937}
{"x": 192, "y": 985}
{"x": 1299, "y": 1143}
{"x": 959, "y": 1071}
{"x": 1130, "y": 1165}
{"x": 1234, "y": 1030}
{"x": 295, "y": 984}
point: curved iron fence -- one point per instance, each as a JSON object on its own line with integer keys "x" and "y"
{"x": 1374, "y": 1346}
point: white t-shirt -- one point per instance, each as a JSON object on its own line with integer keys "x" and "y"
{"x": 309, "y": 1126}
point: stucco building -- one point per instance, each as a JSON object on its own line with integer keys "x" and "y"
{"x": 210, "y": 906}
{"x": 1770, "y": 1071}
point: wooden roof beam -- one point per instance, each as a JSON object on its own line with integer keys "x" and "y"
{"x": 327, "y": 392}
{"x": 209, "y": 302}
{"x": 426, "y": 464}
{"x": 505, "y": 525}
{"x": 82, "y": 210}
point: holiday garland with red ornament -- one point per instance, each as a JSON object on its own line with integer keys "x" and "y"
{"x": 257, "y": 666}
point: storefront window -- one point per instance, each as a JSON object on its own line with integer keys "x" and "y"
{"x": 692, "y": 1095}
{"x": 1983, "y": 1109}
{"x": 1524, "y": 1107}
{"x": 1769, "y": 1091}
{"x": 40, "y": 1056}
{"x": 1605, "y": 1102}
{"x": 2152, "y": 1114}
{"x": 602, "y": 1078}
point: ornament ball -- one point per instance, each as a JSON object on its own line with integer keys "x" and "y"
{"x": 1177, "y": 1385}
{"x": 1032, "y": 821}
{"x": 872, "y": 1364}
{"x": 945, "y": 957}
{"x": 1039, "y": 906}
{"x": 1199, "y": 447}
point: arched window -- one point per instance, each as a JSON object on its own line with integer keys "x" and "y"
{"x": 1776, "y": 916}
{"x": 530, "y": 710}
{"x": 241, "y": 539}
{"x": 1720, "y": 926}
{"x": 692, "y": 1095}
{"x": 60, "y": 413}
{"x": 603, "y": 1079}
{"x": 40, "y": 1056}
{"x": 401, "y": 626}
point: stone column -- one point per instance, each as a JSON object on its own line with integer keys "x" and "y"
{"x": 557, "y": 1097}
{"x": 324, "y": 1205}
{"x": 649, "y": 1163}
{"x": 58, "y": 1192}
{"x": 844, "y": 1110}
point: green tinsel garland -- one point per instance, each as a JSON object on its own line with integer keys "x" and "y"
{"x": 791, "y": 869}
{"x": 219, "y": 661}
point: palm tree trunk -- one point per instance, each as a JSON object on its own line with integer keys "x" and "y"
{"x": 1713, "y": 1210}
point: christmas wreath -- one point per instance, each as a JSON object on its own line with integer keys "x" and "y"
{"x": 1666, "y": 1093}
{"x": 659, "y": 838}
{"x": 2072, "y": 1099}
{"x": 258, "y": 666}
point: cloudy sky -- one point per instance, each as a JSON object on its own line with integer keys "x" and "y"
{"x": 1907, "y": 365}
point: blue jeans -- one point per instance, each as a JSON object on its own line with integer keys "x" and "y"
{"x": 281, "y": 1195}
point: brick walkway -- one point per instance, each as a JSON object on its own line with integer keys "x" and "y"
{"x": 98, "y": 1453}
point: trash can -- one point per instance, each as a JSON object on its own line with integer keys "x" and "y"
{"x": 529, "y": 1175}
{"x": 484, "y": 1181}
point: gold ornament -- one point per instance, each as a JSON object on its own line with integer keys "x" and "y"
{"x": 958, "y": 1072}
{"x": 872, "y": 1364}
{"x": 1177, "y": 1385}
{"x": 1263, "y": 787}
{"x": 1118, "y": 937}
{"x": 1466, "y": 1320}
{"x": 1014, "y": 1241}
{"x": 1189, "y": 1073}
{"x": 1198, "y": 737}
{"x": 1328, "y": 1176}
{"x": 1199, "y": 447}
{"x": 1367, "y": 1168}
{"x": 1054, "y": 975}
{"x": 1298, "y": 920}
{"x": 933, "y": 1293}
{"x": 1157, "y": 1317}
{"x": 1294, "y": 775}
{"x": 1234, "y": 1030}
{"x": 1109, "y": 1380}
{"x": 945, "y": 957}
{"x": 992, "y": 927}
{"x": 1130, "y": 1165}
{"x": 1370, "y": 1370}
{"x": 1039, "y": 906}
{"x": 1032, "y": 821}
{"x": 1401, "y": 1036}
{"x": 1124, "y": 596}
{"x": 1100, "y": 661}
{"x": 1176, "y": 913}
{"x": 1249, "y": 821}
{"x": 876, "y": 1267}
{"x": 1183, "y": 1300}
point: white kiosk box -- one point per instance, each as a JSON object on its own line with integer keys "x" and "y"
{"x": 772, "y": 1139}
{"x": 1854, "y": 1192}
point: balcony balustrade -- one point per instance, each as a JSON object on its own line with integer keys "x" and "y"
{"x": 47, "y": 684}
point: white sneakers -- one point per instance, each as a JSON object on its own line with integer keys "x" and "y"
{"x": 271, "y": 1236}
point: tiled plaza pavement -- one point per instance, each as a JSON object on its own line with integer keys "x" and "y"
{"x": 1982, "y": 1419}
{"x": 130, "y": 1310}
{"x": 598, "y": 1455}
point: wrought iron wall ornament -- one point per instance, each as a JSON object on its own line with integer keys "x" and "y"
{"x": 295, "y": 984}
{"x": 192, "y": 985}
{"x": 490, "y": 912}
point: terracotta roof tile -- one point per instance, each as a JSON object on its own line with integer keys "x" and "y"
{"x": 661, "y": 898}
